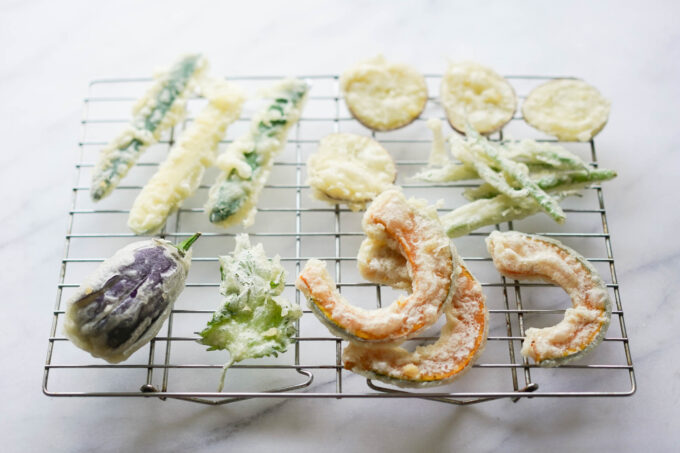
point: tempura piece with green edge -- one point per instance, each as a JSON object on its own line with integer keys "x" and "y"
{"x": 161, "y": 107}
{"x": 253, "y": 321}
{"x": 247, "y": 162}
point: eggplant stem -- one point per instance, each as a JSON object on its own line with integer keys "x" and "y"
{"x": 184, "y": 246}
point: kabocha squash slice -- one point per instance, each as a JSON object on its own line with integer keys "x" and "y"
{"x": 529, "y": 257}
{"x": 462, "y": 340}
{"x": 413, "y": 228}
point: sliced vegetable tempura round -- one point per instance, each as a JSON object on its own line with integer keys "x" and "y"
{"x": 382, "y": 95}
{"x": 474, "y": 94}
{"x": 462, "y": 340}
{"x": 350, "y": 168}
{"x": 571, "y": 110}
{"x": 413, "y": 228}
{"x": 528, "y": 257}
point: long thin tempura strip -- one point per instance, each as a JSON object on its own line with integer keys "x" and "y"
{"x": 247, "y": 162}
{"x": 492, "y": 177}
{"x": 535, "y": 155}
{"x": 160, "y": 109}
{"x": 490, "y": 207}
{"x": 518, "y": 174}
{"x": 448, "y": 173}
{"x": 486, "y": 211}
{"x": 550, "y": 182}
{"x": 180, "y": 174}
{"x": 539, "y": 154}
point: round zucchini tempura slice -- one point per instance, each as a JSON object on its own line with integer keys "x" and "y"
{"x": 414, "y": 229}
{"x": 571, "y": 110}
{"x": 350, "y": 168}
{"x": 472, "y": 93}
{"x": 462, "y": 340}
{"x": 529, "y": 257}
{"x": 384, "y": 96}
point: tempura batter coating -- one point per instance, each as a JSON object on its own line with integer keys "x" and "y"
{"x": 351, "y": 169}
{"x": 476, "y": 95}
{"x": 383, "y": 95}
{"x": 415, "y": 231}
{"x": 529, "y": 257}
{"x": 462, "y": 340}
{"x": 571, "y": 110}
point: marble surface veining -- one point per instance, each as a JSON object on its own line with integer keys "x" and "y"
{"x": 51, "y": 50}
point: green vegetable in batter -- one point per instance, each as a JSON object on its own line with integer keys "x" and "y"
{"x": 254, "y": 321}
{"x": 489, "y": 211}
{"x": 158, "y": 110}
{"x": 520, "y": 179}
{"x": 249, "y": 159}
{"x": 550, "y": 182}
{"x": 515, "y": 171}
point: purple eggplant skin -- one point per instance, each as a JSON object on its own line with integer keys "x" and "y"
{"x": 122, "y": 305}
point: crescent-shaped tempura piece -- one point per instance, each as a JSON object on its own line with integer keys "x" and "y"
{"x": 414, "y": 229}
{"x": 528, "y": 257}
{"x": 462, "y": 340}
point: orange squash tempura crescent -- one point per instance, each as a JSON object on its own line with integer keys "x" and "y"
{"x": 412, "y": 228}
{"x": 462, "y": 339}
{"x": 529, "y": 257}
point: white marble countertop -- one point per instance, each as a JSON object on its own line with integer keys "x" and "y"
{"x": 51, "y": 50}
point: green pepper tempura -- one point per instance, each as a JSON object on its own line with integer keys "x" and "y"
{"x": 247, "y": 162}
{"x": 157, "y": 111}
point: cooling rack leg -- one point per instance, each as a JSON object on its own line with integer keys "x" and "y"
{"x": 168, "y": 343}
{"x": 612, "y": 272}
{"x": 150, "y": 389}
{"x": 508, "y": 323}
{"x": 298, "y": 230}
{"x": 520, "y": 321}
{"x": 458, "y": 402}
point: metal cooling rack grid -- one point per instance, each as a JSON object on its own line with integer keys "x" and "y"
{"x": 291, "y": 224}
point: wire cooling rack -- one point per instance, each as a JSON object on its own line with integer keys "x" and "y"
{"x": 290, "y": 223}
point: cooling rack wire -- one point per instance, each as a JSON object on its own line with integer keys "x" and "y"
{"x": 291, "y": 224}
